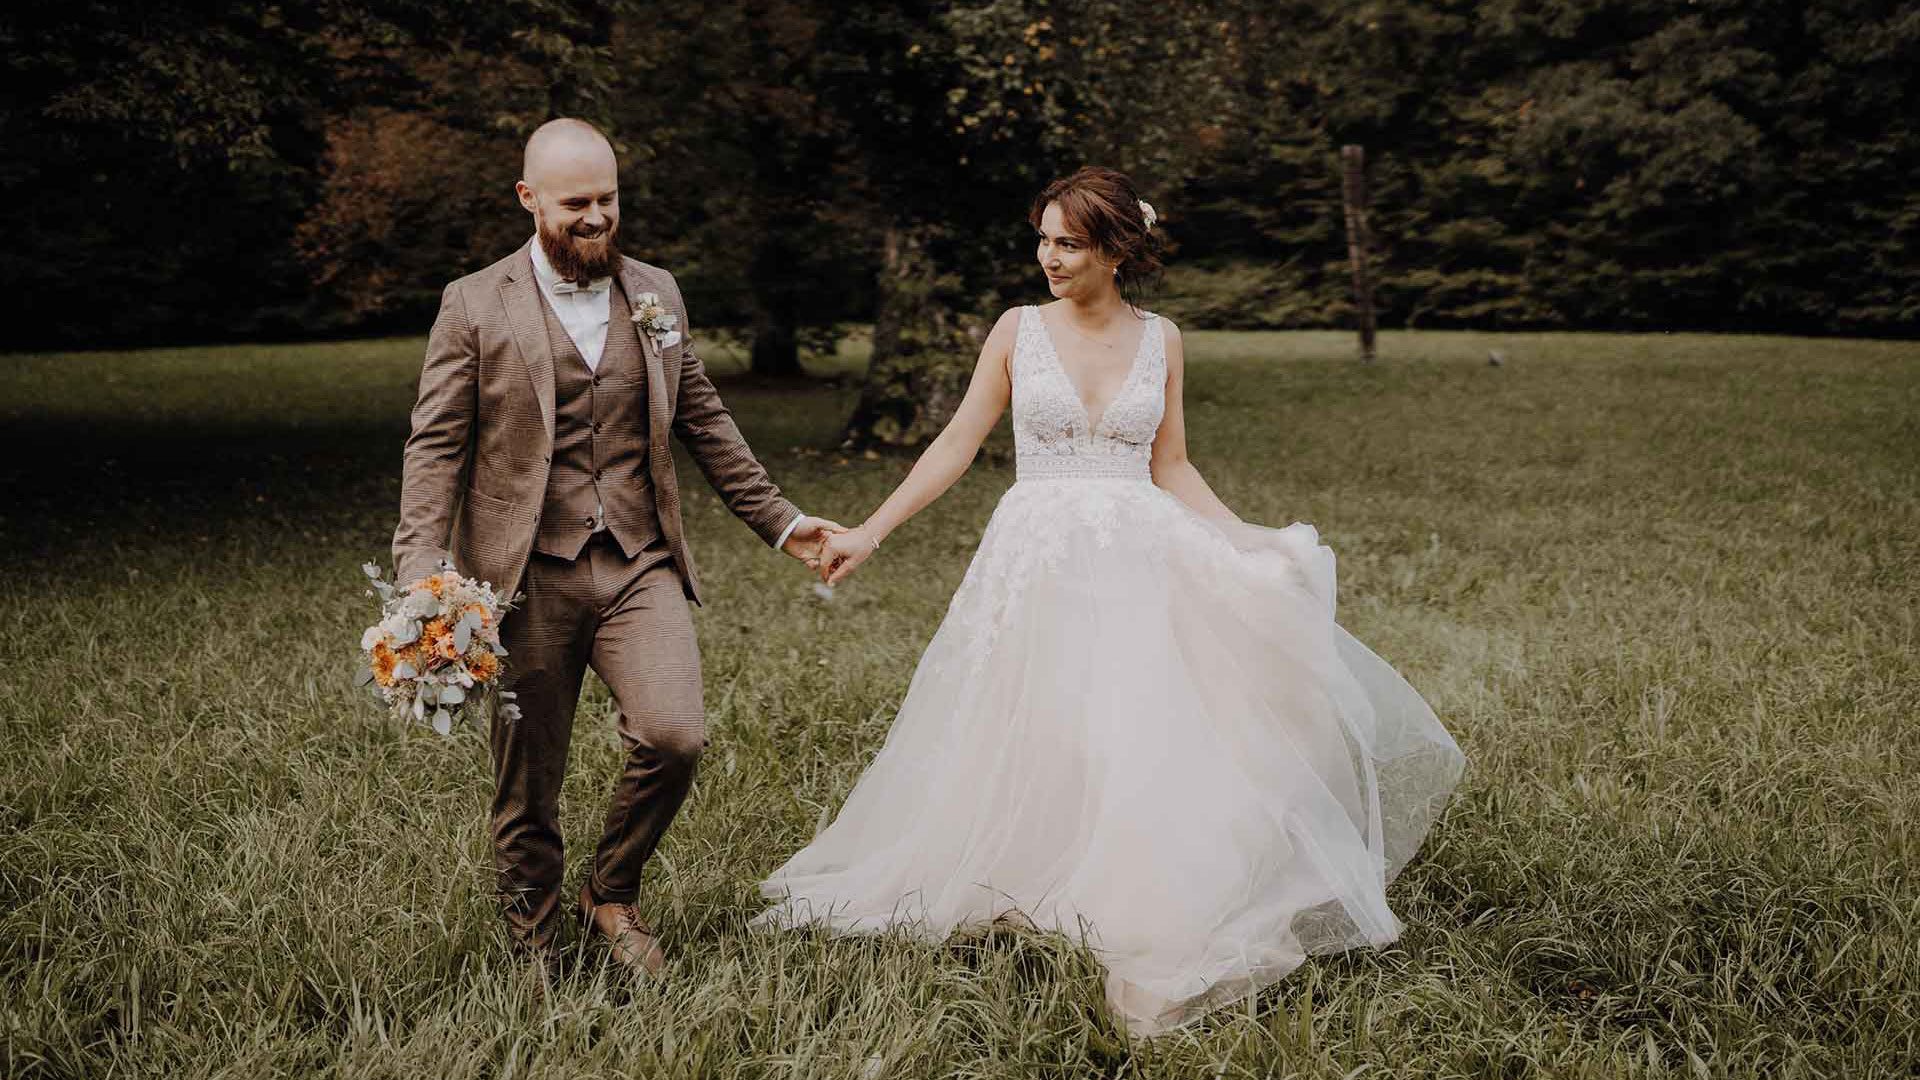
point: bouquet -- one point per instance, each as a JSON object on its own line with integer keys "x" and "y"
{"x": 435, "y": 655}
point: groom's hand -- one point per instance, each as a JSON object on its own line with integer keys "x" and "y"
{"x": 805, "y": 540}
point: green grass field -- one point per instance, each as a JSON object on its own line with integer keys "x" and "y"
{"x": 1663, "y": 589}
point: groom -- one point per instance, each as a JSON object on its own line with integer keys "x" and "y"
{"x": 539, "y": 461}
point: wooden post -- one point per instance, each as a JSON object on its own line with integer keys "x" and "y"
{"x": 1359, "y": 243}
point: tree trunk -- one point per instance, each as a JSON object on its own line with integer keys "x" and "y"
{"x": 1359, "y": 244}
{"x": 922, "y": 350}
{"x": 776, "y": 342}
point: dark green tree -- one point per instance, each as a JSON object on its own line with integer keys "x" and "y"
{"x": 1611, "y": 163}
{"x": 961, "y": 114}
{"x": 166, "y": 157}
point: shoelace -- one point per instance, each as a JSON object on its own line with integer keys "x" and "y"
{"x": 632, "y": 915}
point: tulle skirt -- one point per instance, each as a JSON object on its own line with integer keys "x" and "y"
{"x": 1142, "y": 728}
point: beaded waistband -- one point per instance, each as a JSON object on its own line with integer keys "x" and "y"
{"x": 1093, "y": 466}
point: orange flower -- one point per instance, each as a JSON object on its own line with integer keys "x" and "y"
{"x": 409, "y": 654}
{"x": 484, "y": 666}
{"x": 436, "y": 643}
{"x": 435, "y": 584}
{"x": 384, "y": 661}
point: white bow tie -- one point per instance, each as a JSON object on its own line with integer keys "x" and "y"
{"x": 597, "y": 285}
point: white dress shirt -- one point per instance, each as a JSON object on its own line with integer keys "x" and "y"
{"x": 584, "y": 312}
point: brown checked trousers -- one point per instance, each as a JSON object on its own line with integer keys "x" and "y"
{"x": 632, "y": 625}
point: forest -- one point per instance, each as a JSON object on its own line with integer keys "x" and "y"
{"x": 190, "y": 171}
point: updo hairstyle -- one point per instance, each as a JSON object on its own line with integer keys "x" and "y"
{"x": 1102, "y": 205}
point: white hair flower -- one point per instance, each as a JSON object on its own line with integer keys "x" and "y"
{"x": 1146, "y": 211}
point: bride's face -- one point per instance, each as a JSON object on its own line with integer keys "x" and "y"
{"x": 1072, "y": 267}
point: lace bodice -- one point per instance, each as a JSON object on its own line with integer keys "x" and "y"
{"x": 1052, "y": 434}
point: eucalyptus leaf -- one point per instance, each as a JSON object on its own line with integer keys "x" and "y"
{"x": 408, "y": 634}
{"x": 429, "y": 693}
{"x": 462, "y": 635}
{"x": 371, "y": 570}
{"x": 452, "y": 695}
{"x": 363, "y": 676}
{"x": 405, "y": 671}
{"x": 442, "y": 722}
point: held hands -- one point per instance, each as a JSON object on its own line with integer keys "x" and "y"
{"x": 805, "y": 540}
{"x": 843, "y": 551}
{"x": 830, "y": 547}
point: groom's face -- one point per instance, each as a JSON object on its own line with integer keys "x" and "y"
{"x": 573, "y": 192}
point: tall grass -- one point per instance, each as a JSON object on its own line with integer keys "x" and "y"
{"x": 1662, "y": 588}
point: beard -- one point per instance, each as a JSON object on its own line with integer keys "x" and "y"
{"x": 578, "y": 259}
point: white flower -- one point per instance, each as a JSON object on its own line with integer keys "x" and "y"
{"x": 652, "y": 316}
{"x": 1146, "y": 211}
{"x": 398, "y": 629}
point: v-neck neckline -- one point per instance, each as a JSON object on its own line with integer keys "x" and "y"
{"x": 1133, "y": 366}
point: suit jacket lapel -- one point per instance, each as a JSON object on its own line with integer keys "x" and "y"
{"x": 659, "y": 418}
{"x": 521, "y": 295}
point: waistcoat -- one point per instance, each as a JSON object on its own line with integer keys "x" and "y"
{"x": 599, "y": 441}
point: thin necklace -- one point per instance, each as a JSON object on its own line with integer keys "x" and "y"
{"x": 1077, "y": 332}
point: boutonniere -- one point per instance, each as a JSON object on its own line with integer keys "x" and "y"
{"x": 654, "y": 320}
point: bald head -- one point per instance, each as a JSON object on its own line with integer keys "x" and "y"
{"x": 570, "y": 183}
{"x": 564, "y": 145}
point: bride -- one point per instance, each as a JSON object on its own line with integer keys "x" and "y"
{"x": 1139, "y": 722}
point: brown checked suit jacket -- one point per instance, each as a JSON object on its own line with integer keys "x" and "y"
{"x": 475, "y": 472}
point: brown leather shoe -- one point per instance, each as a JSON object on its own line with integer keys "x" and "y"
{"x": 633, "y": 942}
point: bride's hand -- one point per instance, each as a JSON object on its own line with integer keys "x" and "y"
{"x": 841, "y": 552}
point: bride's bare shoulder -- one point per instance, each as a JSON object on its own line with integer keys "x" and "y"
{"x": 1005, "y": 329}
{"x": 997, "y": 349}
{"x": 1170, "y": 332}
{"x": 1009, "y": 321}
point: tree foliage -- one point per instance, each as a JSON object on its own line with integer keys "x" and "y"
{"x": 1595, "y": 163}
{"x": 168, "y": 160}
{"x": 190, "y": 170}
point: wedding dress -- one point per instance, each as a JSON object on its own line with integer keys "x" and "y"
{"x": 1137, "y": 725}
